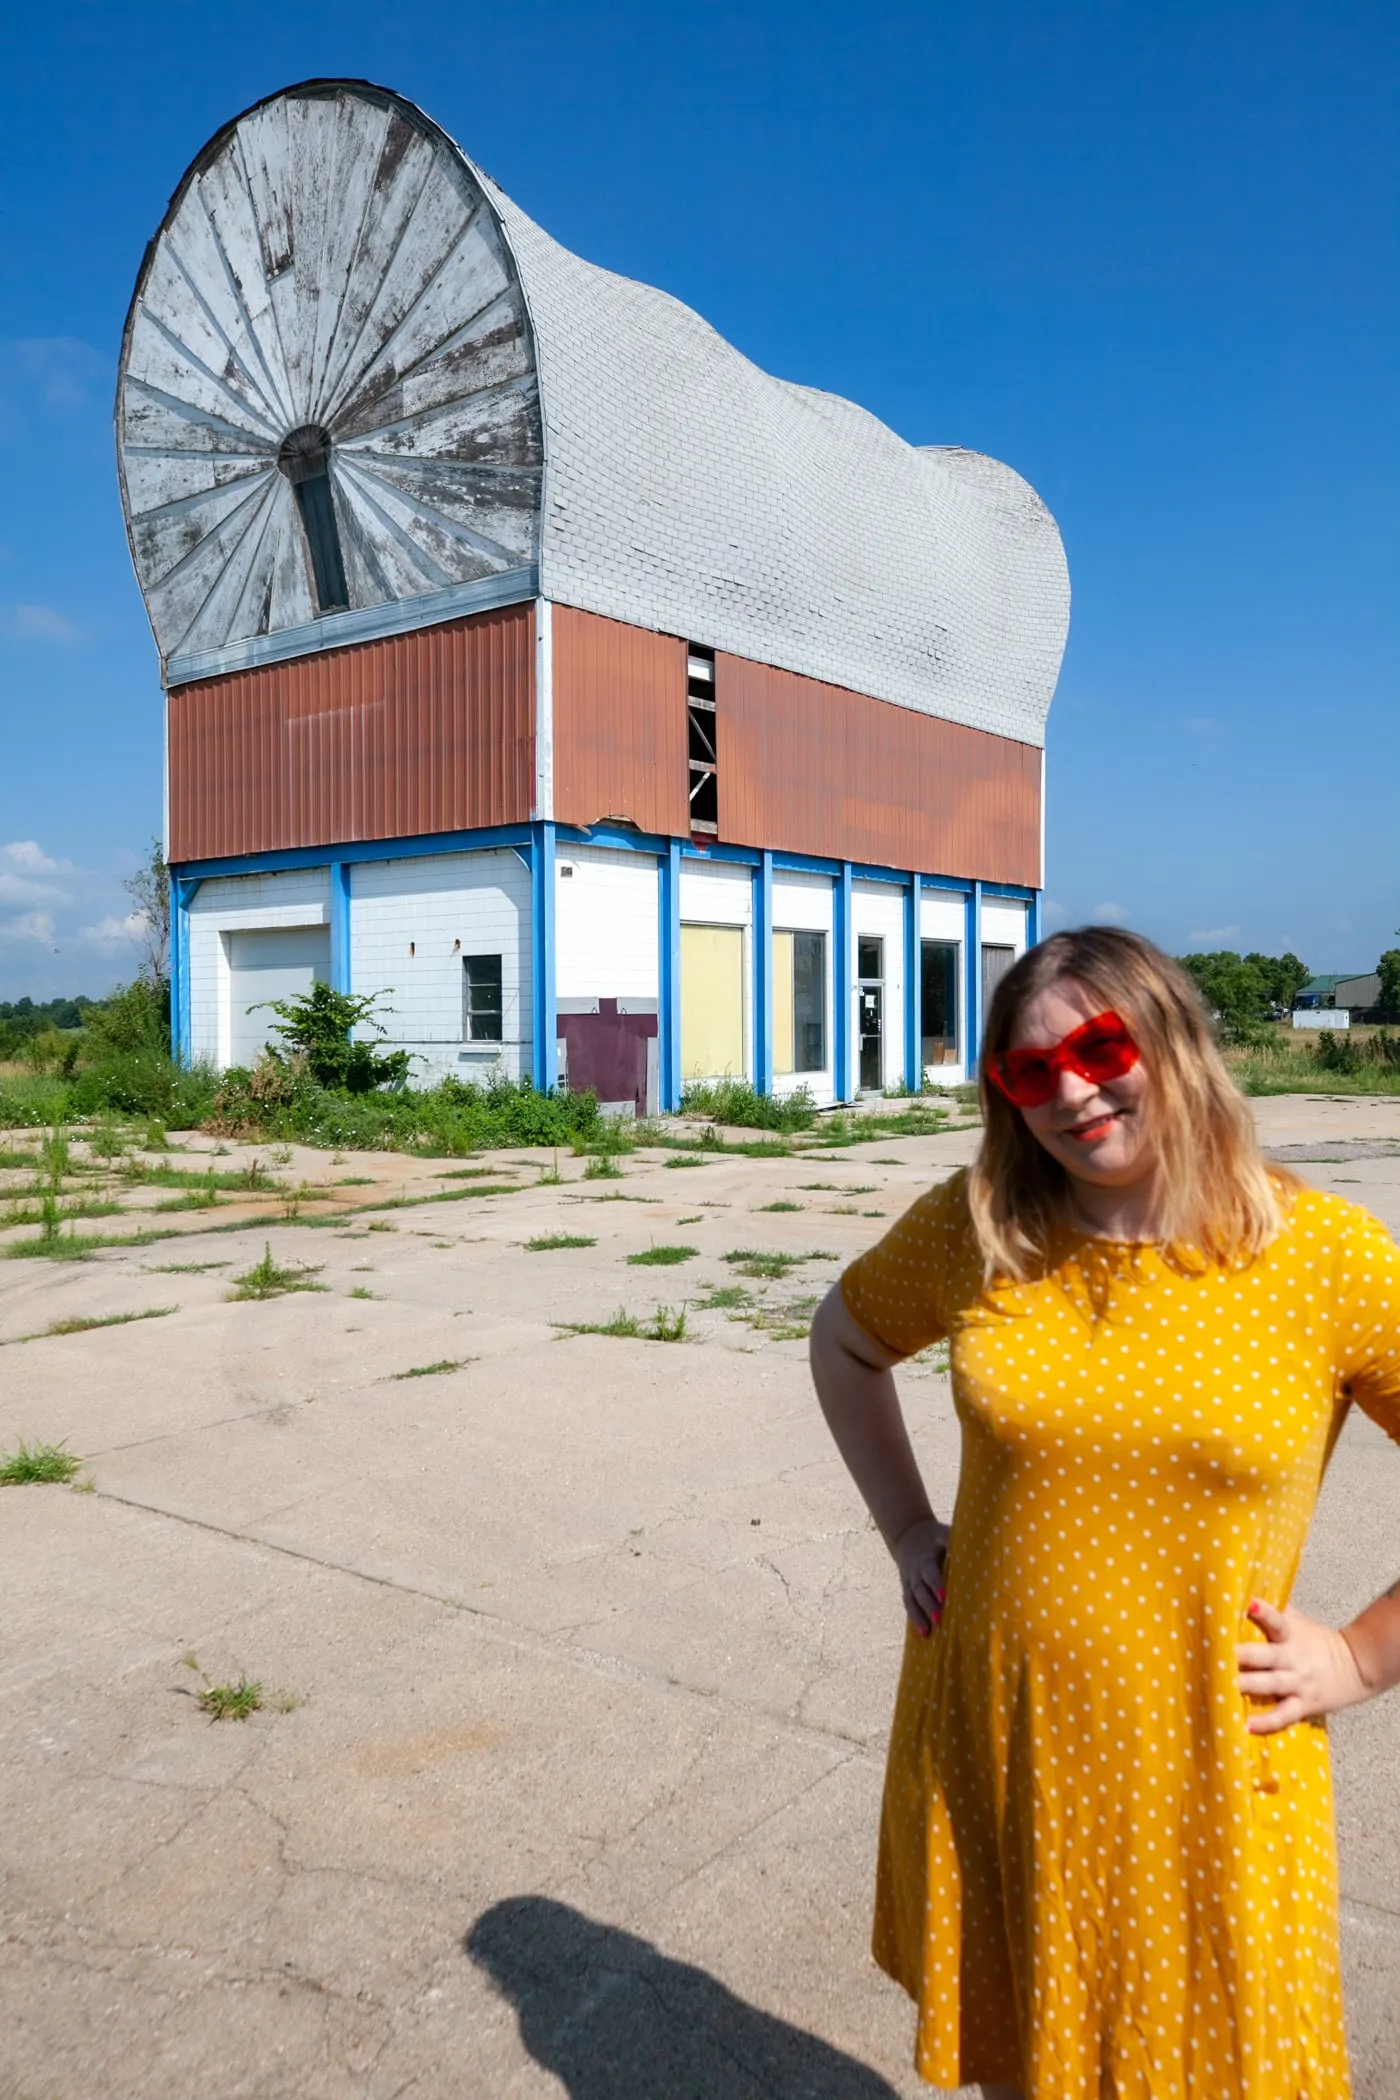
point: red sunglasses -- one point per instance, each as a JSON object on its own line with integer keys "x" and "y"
{"x": 1099, "y": 1050}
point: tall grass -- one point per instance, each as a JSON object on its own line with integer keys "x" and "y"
{"x": 735, "y": 1102}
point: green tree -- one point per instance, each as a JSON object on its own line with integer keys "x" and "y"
{"x": 1284, "y": 977}
{"x": 1245, "y": 989}
{"x": 149, "y": 891}
{"x": 1389, "y": 971}
{"x": 317, "y": 1027}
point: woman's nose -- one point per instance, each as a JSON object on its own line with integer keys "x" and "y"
{"x": 1074, "y": 1089}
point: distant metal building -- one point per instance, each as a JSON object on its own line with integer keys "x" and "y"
{"x": 621, "y": 713}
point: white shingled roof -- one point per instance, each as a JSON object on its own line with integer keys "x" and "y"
{"x": 331, "y": 260}
{"x": 687, "y": 490}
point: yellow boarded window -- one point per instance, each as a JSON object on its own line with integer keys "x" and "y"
{"x": 782, "y": 1003}
{"x": 712, "y": 1002}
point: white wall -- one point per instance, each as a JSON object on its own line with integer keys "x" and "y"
{"x": 238, "y": 904}
{"x": 716, "y": 893}
{"x": 806, "y": 904}
{"x": 1004, "y": 923}
{"x": 878, "y": 908}
{"x": 445, "y": 906}
{"x": 607, "y": 924}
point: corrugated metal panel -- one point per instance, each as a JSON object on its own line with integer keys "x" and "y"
{"x": 811, "y": 768}
{"x": 619, "y": 724}
{"x": 424, "y": 732}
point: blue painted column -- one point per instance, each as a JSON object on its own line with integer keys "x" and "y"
{"x": 1034, "y": 930}
{"x": 763, "y": 974}
{"x": 181, "y": 1035}
{"x": 913, "y": 989}
{"x": 544, "y": 1014}
{"x": 340, "y": 925}
{"x": 842, "y": 986}
{"x": 669, "y": 988}
{"x": 972, "y": 1021}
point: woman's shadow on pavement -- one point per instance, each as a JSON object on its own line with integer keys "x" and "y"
{"x": 615, "y": 2020}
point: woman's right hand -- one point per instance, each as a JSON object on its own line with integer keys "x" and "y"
{"x": 921, "y": 1555}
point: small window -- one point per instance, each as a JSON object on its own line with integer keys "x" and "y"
{"x": 870, "y": 960}
{"x": 481, "y": 998}
{"x": 809, "y": 1002}
{"x": 939, "y": 990}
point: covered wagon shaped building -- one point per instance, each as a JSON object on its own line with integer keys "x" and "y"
{"x": 621, "y": 713}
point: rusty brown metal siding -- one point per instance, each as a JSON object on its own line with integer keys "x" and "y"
{"x": 423, "y": 732}
{"x": 619, "y": 724}
{"x": 810, "y": 768}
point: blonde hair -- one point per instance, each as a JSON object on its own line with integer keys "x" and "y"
{"x": 1220, "y": 1203}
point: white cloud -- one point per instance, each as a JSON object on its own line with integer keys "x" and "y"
{"x": 1109, "y": 914}
{"x": 1053, "y": 912}
{"x": 109, "y": 932}
{"x": 28, "y": 853}
{"x": 1214, "y": 936}
{"x": 39, "y": 623}
{"x": 29, "y": 926}
{"x": 17, "y": 889}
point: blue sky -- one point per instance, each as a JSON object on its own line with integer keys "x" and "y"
{"x": 1149, "y": 256}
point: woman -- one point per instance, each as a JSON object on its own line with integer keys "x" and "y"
{"x": 1107, "y": 1864}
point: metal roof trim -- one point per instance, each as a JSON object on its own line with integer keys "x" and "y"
{"x": 364, "y": 624}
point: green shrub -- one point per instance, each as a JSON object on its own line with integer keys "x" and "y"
{"x": 318, "y": 1030}
{"x": 456, "y": 1117}
{"x": 1334, "y": 1051}
{"x": 734, "y": 1101}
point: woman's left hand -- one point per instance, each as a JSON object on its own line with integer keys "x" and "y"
{"x": 1306, "y": 1668}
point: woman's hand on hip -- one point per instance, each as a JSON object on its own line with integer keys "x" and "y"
{"x": 1306, "y": 1669}
{"x": 921, "y": 1555}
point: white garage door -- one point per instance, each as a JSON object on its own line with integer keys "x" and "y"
{"x": 277, "y": 962}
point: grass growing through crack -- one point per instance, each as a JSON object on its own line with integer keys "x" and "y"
{"x": 686, "y": 1159}
{"x": 232, "y": 1702}
{"x": 783, "y": 1203}
{"x": 183, "y": 1268}
{"x": 444, "y": 1363}
{"x": 38, "y": 1465}
{"x": 267, "y": 1279}
{"x": 756, "y": 1262}
{"x": 846, "y": 1188}
{"x": 360, "y": 1291}
{"x": 602, "y": 1169}
{"x": 547, "y": 1242}
{"x": 85, "y": 1326}
{"x": 724, "y": 1298}
{"x": 662, "y": 1257}
{"x": 667, "y": 1325}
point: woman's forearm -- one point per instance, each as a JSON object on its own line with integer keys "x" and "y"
{"x": 858, "y": 1398}
{"x": 1374, "y": 1639}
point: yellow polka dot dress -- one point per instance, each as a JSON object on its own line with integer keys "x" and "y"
{"x": 1093, "y": 1881}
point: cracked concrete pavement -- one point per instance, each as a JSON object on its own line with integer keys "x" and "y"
{"x": 577, "y": 1657}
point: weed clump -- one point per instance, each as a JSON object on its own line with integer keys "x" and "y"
{"x": 548, "y": 1242}
{"x": 666, "y": 1325}
{"x": 232, "y": 1702}
{"x": 267, "y": 1279}
{"x": 39, "y": 1465}
{"x": 662, "y": 1257}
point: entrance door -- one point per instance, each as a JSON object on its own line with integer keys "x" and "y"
{"x": 870, "y": 970}
{"x": 712, "y": 1002}
{"x": 276, "y": 962}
